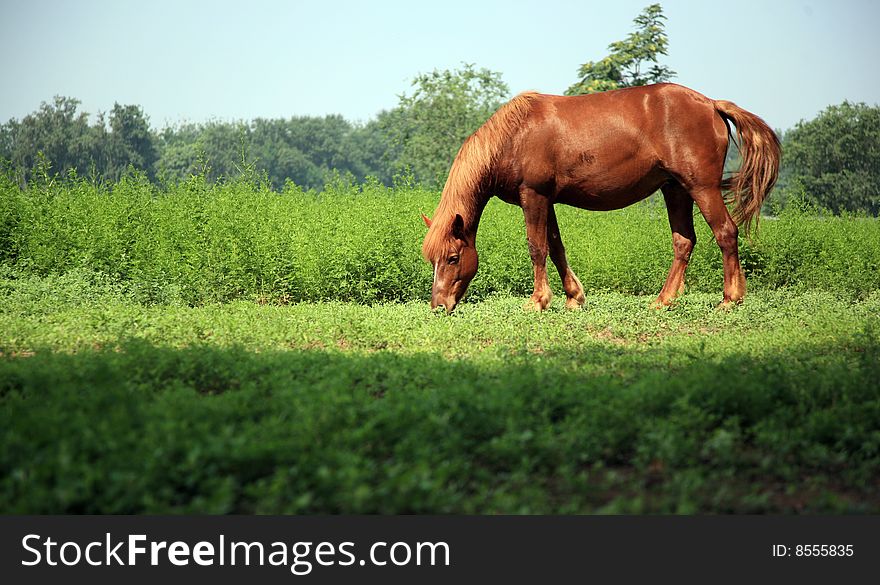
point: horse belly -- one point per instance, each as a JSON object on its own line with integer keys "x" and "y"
{"x": 610, "y": 190}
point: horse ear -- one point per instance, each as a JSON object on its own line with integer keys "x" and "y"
{"x": 458, "y": 227}
{"x": 426, "y": 220}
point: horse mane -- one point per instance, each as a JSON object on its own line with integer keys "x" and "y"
{"x": 472, "y": 164}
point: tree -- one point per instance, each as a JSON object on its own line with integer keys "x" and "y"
{"x": 627, "y": 65}
{"x": 130, "y": 142}
{"x": 834, "y": 159}
{"x": 61, "y": 135}
{"x": 215, "y": 149}
{"x": 56, "y": 132}
{"x": 427, "y": 128}
{"x": 376, "y": 152}
{"x": 8, "y": 132}
{"x": 278, "y": 149}
{"x": 305, "y": 149}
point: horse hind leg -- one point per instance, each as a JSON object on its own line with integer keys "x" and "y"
{"x": 712, "y": 207}
{"x": 574, "y": 290}
{"x": 679, "y": 208}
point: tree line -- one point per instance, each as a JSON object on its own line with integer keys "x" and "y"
{"x": 832, "y": 160}
{"x": 417, "y": 138}
{"x": 302, "y": 149}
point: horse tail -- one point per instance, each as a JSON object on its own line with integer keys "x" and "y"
{"x": 760, "y": 151}
{"x": 472, "y": 166}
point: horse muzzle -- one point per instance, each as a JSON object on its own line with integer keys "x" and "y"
{"x": 447, "y": 304}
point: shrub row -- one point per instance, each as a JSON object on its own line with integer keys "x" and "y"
{"x": 197, "y": 243}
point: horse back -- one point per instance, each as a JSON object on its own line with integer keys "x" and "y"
{"x": 608, "y": 150}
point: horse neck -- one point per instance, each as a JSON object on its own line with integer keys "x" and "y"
{"x": 470, "y": 206}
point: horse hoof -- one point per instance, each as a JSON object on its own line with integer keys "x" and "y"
{"x": 728, "y": 304}
{"x": 574, "y": 304}
{"x": 659, "y": 303}
{"x": 538, "y": 304}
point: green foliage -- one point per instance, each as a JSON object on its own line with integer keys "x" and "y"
{"x": 428, "y": 127}
{"x": 223, "y": 347}
{"x": 306, "y": 150}
{"x": 60, "y": 134}
{"x": 211, "y": 150}
{"x": 834, "y": 159}
{"x": 131, "y": 141}
{"x": 198, "y": 242}
{"x": 309, "y": 150}
{"x": 56, "y": 132}
{"x": 107, "y": 406}
{"x": 627, "y": 64}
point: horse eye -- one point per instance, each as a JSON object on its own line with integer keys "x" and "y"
{"x": 453, "y": 260}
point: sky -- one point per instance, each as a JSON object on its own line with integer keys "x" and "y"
{"x": 192, "y": 61}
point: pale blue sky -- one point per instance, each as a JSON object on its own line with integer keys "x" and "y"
{"x": 196, "y": 60}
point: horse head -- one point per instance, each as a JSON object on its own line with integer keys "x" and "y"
{"x": 454, "y": 257}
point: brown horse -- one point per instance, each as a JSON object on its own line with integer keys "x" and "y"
{"x": 600, "y": 152}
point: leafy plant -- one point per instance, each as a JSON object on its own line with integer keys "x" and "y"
{"x": 627, "y": 64}
{"x": 834, "y": 160}
{"x": 428, "y": 127}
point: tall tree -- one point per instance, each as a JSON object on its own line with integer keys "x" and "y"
{"x": 428, "y": 127}
{"x": 304, "y": 149}
{"x": 215, "y": 149}
{"x": 372, "y": 143}
{"x": 278, "y": 148}
{"x": 834, "y": 159}
{"x": 630, "y": 61}
{"x": 131, "y": 141}
{"x": 58, "y": 133}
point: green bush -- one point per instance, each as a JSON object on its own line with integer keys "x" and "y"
{"x": 197, "y": 243}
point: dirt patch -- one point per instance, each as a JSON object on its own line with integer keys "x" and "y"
{"x": 608, "y": 335}
{"x": 25, "y": 353}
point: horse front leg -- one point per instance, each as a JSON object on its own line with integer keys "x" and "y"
{"x": 574, "y": 290}
{"x": 536, "y": 209}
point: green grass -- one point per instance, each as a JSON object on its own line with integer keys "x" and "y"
{"x": 227, "y": 348}
{"x": 109, "y": 405}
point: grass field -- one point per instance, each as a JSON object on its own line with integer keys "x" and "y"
{"x": 229, "y": 349}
